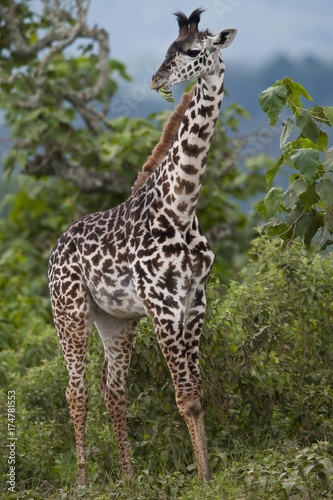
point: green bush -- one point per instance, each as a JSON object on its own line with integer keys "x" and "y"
{"x": 266, "y": 355}
{"x": 267, "y": 350}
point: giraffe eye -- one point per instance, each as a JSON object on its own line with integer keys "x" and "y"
{"x": 193, "y": 53}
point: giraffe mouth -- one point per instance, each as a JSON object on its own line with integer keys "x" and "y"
{"x": 159, "y": 80}
{"x": 156, "y": 85}
{"x": 164, "y": 86}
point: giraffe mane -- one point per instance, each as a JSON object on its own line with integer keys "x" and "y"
{"x": 165, "y": 142}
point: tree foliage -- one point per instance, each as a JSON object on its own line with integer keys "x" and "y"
{"x": 57, "y": 103}
{"x": 304, "y": 209}
{"x": 57, "y": 84}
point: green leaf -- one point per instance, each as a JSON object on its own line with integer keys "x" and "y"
{"x": 296, "y": 88}
{"x": 315, "y": 223}
{"x": 277, "y": 228}
{"x": 304, "y": 224}
{"x": 288, "y": 486}
{"x": 322, "y": 140}
{"x": 116, "y": 65}
{"x": 166, "y": 94}
{"x": 287, "y": 128}
{"x": 329, "y": 113}
{"x": 22, "y": 158}
{"x": 326, "y": 244}
{"x": 309, "y": 198}
{"x": 64, "y": 116}
{"x": 324, "y": 188}
{"x": 31, "y": 116}
{"x": 272, "y": 200}
{"x": 328, "y": 160}
{"x": 296, "y": 219}
{"x": 272, "y": 101}
{"x": 270, "y": 174}
{"x": 294, "y": 92}
{"x": 307, "y": 469}
{"x": 306, "y": 143}
{"x": 291, "y": 197}
{"x": 307, "y": 126}
{"x": 307, "y": 162}
{"x": 318, "y": 114}
{"x": 260, "y": 207}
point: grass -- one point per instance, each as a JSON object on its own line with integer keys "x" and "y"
{"x": 282, "y": 471}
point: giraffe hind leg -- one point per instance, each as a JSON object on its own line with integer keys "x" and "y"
{"x": 117, "y": 337}
{"x": 74, "y": 325}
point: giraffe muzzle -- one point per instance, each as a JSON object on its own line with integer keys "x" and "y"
{"x": 158, "y": 81}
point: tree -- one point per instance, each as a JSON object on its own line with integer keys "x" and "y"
{"x": 56, "y": 106}
{"x": 305, "y": 209}
{"x": 56, "y": 103}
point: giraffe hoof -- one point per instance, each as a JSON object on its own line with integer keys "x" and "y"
{"x": 82, "y": 478}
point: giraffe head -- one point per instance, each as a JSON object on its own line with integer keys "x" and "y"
{"x": 193, "y": 54}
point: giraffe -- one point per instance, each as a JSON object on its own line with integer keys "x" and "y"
{"x": 146, "y": 257}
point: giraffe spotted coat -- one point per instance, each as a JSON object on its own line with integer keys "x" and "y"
{"x": 146, "y": 257}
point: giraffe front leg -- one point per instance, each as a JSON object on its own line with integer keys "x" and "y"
{"x": 194, "y": 418}
{"x": 117, "y": 337}
{"x": 193, "y": 329}
{"x": 170, "y": 334}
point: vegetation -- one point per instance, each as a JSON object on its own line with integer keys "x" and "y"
{"x": 56, "y": 105}
{"x": 305, "y": 209}
{"x": 266, "y": 357}
{"x": 266, "y": 350}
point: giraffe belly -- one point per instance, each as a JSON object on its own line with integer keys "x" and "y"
{"x": 118, "y": 301}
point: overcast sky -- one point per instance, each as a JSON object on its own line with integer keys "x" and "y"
{"x": 141, "y": 30}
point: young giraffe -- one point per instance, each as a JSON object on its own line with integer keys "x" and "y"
{"x": 146, "y": 256}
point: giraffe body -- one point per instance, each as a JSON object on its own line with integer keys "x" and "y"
{"x": 145, "y": 257}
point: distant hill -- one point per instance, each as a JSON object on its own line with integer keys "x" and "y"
{"x": 243, "y": 83}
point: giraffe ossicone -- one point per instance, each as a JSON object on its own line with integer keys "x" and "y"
{"x": 146, "y": 257}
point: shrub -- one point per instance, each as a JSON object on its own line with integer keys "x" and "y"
{"x": 266, "y": 356}
{"x": 267, "y": 350}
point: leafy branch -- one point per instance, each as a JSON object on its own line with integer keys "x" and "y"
{"x": 57, "y": 105}
{"x": 305, "y": 209}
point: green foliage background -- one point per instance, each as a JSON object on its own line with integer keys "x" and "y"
{"x": 304, "y": 210}
{"x": 266, "y": 349}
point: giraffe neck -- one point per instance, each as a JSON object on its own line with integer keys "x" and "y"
{"x": 188, "y": 155}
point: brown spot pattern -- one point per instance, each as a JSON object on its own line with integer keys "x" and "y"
{"x": 146, "y": 256}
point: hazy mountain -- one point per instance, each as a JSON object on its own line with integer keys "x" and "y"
{"x": 243, "y": 84}
{"x": 315, "y": 75}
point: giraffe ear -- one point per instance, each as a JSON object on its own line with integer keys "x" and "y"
{"x": 225, "y": 38}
